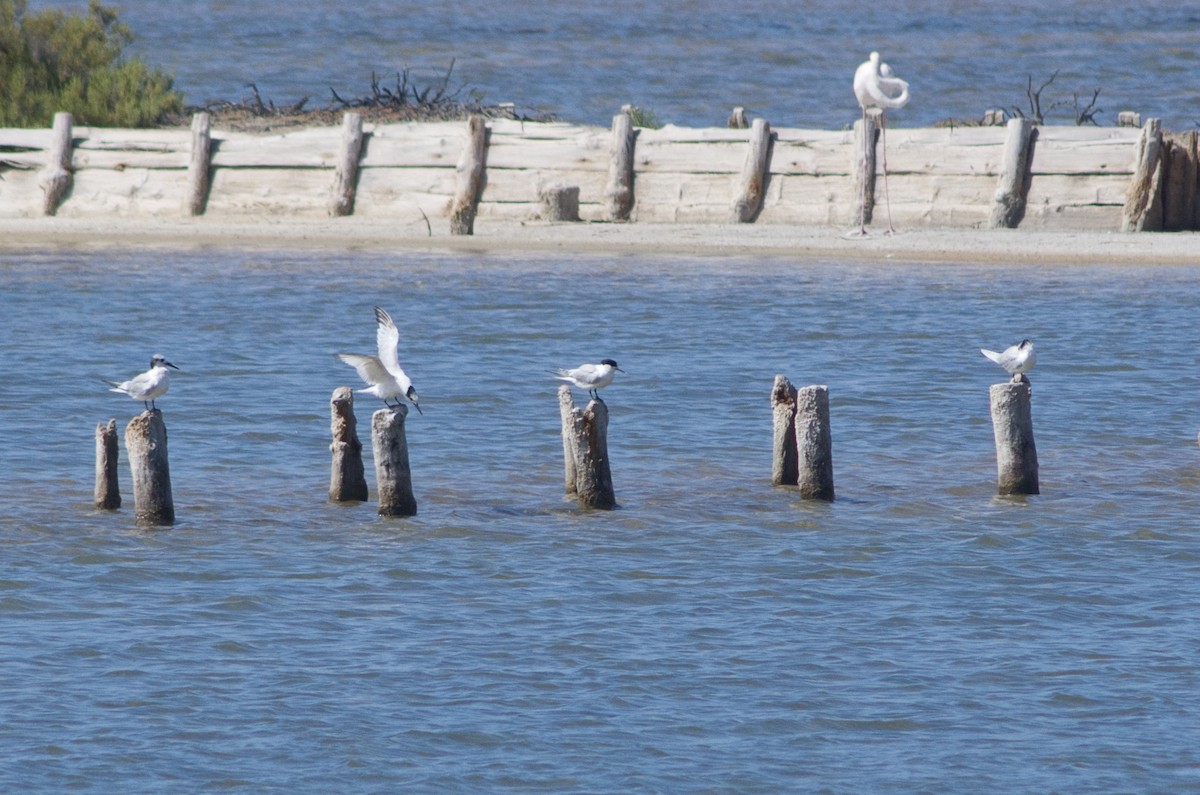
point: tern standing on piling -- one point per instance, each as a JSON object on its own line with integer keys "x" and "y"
{"x": 591, "y": 377}
{"x": 386, "y": 377}
{"x": 1016, "y": 359}
{"x": 148, "y": 385}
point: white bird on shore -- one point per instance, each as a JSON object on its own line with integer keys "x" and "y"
{"x": 148, "y": 385}
{"x": 386, "y": 377}
{"x": 876, "y": 87}
{"x": 1016, "y": 359}
{"x": 591, "y": 377}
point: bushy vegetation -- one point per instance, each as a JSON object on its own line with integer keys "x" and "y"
{"x": 52, "y": 61}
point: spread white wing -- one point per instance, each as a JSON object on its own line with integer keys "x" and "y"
{"x": 387, "y": 338}
{"x": 369, "y": 368}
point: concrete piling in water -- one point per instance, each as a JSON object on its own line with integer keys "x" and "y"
{"x": 107, "y": 494}
{"x": 585, "y": 448}
{"x": 814, "y": 443}
{"x": 393, "y": 475}
{"x": 784, "y": 470}
{"x": 146, "y": 443}
{"x": 347, "y": 478}
{"x": 1012, "y": 425}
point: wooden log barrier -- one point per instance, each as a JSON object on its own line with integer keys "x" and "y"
{"x": 108, "y": 493}
{"x": 585, "y": 436}
{"x": 393, "y": 476}
{"x": 866, "y": 134}
{"x": 814, "y": 444}
{"x": 1143, "y": 210}
{"x": 199, "y": 172}
{"x": 56, "y": 178}
{"x": 346, "y": 181}
{"x": 749, "y": 201}
{"x": 1012, "y": 425}
{"x": 146, "y": 443}
{"x": 560, "y": 203}
{"x": 470, "y": 178}
{"x": 618, "y": 194}
{"x": 347, "y": 479}
{"x": 784, "y": 471}
{"x": 1016, "y": 175}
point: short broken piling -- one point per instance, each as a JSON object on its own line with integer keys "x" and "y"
{"x": 107, "y": 494}
{"x": 1012, "y": 425}
{"x": 347, "y": 480}
{"x": 393, "y": 476}
{"x": 146, "y": 443}
{"x": 585, "y": 450}
{"x": 814, "y": 443}
{"x": 783, "y": 449}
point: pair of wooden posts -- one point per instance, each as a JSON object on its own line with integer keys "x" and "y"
{"x": 146, "y": 443}
{"x": 393, "y": 475}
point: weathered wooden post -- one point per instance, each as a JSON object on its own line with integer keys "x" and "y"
{"x": 1143, "y": 200}
{"x": 585, "y": 433}
{"x": 1016, "y": 175}
{"x": 346, "y": 181}
{"x": 470, "y": 178}
{"x": 560, "y": 203}
{"x": 1179, "y": 186}
{"x": 784, "y": 471}
{"x": 619, "y": 192}
{"x": 994, "y": 117}
{"x": 199, "y": 166}
{"x": 737, "y": 119}
{"x": 146, "y": 443}
{"x": 1129, "y": 118}
{"x": 1012, "y": 425}
{"x": 55, "y": 179}
{"x": 749, "y": 201}
{"x": 866, "y": 134}
{"x": 814, "y": 443}
{"x": 393, "y": 476}
{"x": 566, "y": 409}
{"x": 107, "y": 494}
{"x": 347, "y": 480}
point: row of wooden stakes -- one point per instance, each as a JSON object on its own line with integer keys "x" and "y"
{"x": 802, "y": 452}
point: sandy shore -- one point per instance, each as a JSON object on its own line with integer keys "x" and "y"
{"x": 804, "y": 243}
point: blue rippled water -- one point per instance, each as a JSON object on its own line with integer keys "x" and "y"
{"x": 687, "y": 61}
{"x": 714, "y": 634}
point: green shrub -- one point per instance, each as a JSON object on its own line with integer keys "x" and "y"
{"x": 51, "y": 61}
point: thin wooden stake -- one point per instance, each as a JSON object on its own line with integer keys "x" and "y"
{"x": 347, "y": 479}
{"x": 146, "y": 443}
{"x": 1012, "y": 426}
{"x": 346, "y": 182}
{"x": 1016, "y": 175}
{"x": 784, "y": 471}
{"x": 1143, "y": 200}
{"x": 619, "y": 192}
{"x": 56, "y": 178}
{"x": 393, "y": 476}
{"x": 748, "y": 204}
{"x": 199, "y": 166}
{"x": 814, "y": 443}
{"x": 586, "y": 433}
{"x": 866, "y": 134}
{"x": 470, "y": 178}
{"x": 108, "y": 493}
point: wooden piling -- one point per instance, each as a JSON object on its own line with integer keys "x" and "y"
{"x": 346, "y": 181}
{"x": 1179, "y": 200}
{"x": 469, "y": 187}
{"x": 1016, "y": 175}
{"x": 347, "y": 479}
{"x": 749, "y": 201}
{"x": 566, "y": 408}
{"x": 199, "y": 171}
{"x": 146, "y": 443}
{"x": 108, "y": 493}
{"x": 1143, "y": 210}
{"x": 737, "y": 119}
{"x": 1012, "y": 425}
{"x": 866, "y": 134}
{"x": 560, "y": 203}
{"x": 618, "y": 194}
{"x": 784, "y": 471}
{"x": 1129, "y": 118}
{"x": 393, "y": 476}
{"x": 814, "y": 443}
{"x": 585, "y": 442}
{"x": 56, "y": 178}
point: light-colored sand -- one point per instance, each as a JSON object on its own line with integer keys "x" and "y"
{"x": 808, "y": 243}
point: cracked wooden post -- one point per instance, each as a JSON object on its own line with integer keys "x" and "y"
{"x": 814, "y": 443}
{"x": 347, "y": 479}
{"x": 346, "y": 181}
{"x": 199, "y": 170}
{"x": 1179, "y": 188}
{"x": 393, "y": 476}
{"x": 784, "y": 470}
{"x": 107, "y": 493}
{"x": 55, "y": 179}
{"x": 866, "y": 134}
{"x": 1143, "y": 210}
{"x": 585, "y": 436}
{"x": 1012, "y": 426}
{"x": 749, "y": 201}
{"x": 618, "y": 194}
{"x": 146, "y": 443}
{"x": 470, "y": 178}
{"x": 566, "y": 405}
{"x": 1016, "y": 175}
